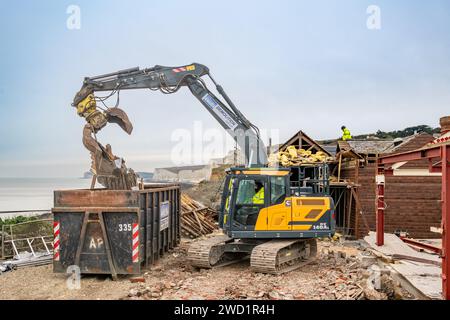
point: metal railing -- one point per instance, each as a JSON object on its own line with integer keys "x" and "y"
{"x": 32, "y": 236}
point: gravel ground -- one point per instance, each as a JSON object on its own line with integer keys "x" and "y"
{"x": 335, "y": 274}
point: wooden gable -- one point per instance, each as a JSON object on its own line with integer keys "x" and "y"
{"x": 302, "y": 141}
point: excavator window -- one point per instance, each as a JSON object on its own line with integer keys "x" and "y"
{"x": 247, "y": 190}
{"x": 277, "y": 190}
{"x": 250, "y": 198}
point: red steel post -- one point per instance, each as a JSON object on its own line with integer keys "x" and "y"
{"x": 380, "y": 178}
{"x": 445, "y": 157}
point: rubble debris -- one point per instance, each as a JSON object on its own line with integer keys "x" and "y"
{"x": 26, "y": 259}
{"x": 196, "y": 219}
{"x": 294, "y": 157}
{"x": 372, "y": 294}
{"x": 367, "y": 259}
{"x": 333, "y": 276}
{"x": 418, "y": 272}
{"x": 330, "y": 276}
{"x": 134, "y": 293}
{"x": 137, "y": 279}
{"x": 4, "y": 267}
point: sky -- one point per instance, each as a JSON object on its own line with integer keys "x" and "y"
{"x": 287, "y": 65}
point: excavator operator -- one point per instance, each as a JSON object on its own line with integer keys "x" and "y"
{"x": 258, "y": 198}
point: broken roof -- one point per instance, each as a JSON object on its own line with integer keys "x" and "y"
{"x": 301, "y": 141}
{"x": 384, "y": 146}
{"x": 366, "y": 146}
{"x": 407, "y": 143}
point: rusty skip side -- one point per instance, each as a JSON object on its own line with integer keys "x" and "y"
{"x": 115, "y": 232}
{"x": 96, "y": 198}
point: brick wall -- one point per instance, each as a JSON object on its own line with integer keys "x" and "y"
{"x": 413, "y": 205}
{"x": 413, "y": 202}
{"x": 366, "y": 195}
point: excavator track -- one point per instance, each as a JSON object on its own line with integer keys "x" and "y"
{"x": 211, "y": 253}
{"x": 280, "y": 256}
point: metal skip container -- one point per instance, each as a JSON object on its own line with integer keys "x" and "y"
{"x": 114, "y": 231}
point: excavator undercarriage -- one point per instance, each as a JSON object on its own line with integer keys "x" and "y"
{"x": 266, "y": 256}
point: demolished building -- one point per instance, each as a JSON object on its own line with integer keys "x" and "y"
{"x": 412, "y": 204}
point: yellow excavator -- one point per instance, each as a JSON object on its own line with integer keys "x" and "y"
{"x": 271, "y": 215}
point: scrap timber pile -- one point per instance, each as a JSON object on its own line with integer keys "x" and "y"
{"x": 294, "y": 157}
{"x": 196, "y": 219}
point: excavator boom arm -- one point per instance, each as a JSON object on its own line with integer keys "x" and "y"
{"x": 170, "y": 80}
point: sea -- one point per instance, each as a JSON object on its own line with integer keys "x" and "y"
{"x": 22, "y": 196}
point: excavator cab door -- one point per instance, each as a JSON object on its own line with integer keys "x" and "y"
{"x": 225, "y": 210}
{"x": 250, "y": 196}
{"x": 279, "y": 210}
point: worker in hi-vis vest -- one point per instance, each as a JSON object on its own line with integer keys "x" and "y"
{"x": 258, "y": 198}
{"x": 346, "y": 134}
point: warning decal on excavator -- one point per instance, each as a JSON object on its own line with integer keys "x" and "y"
{"x": 219, "y": 111}
{"x": 176, "y": 70}
{"x": 182, "y": 69}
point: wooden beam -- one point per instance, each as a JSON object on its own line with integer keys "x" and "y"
{"x": 339, "y": 167}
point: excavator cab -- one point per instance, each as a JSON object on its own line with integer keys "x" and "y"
{"x": 250, "y": 192}
{"x": 276, "y": 202}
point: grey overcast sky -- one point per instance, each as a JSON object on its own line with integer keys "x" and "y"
{"x": 288, "y": 65}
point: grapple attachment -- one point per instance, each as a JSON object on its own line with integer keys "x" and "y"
{"x": 110, "y": 170}
{"x": 118, "y": 116}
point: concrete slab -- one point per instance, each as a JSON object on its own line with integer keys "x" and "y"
{"x": 424, "y": 277}
{"x": 395, "y": 245}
